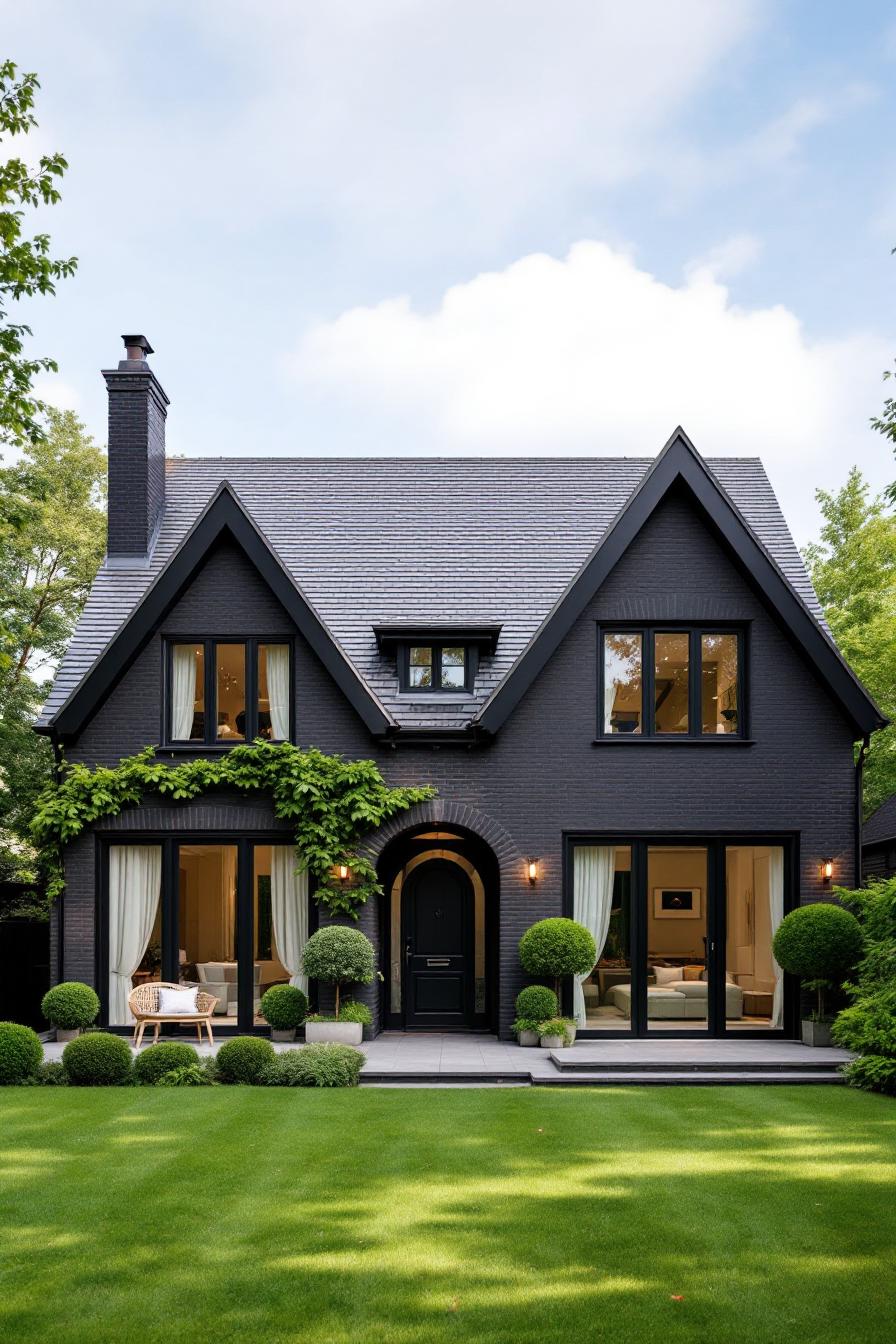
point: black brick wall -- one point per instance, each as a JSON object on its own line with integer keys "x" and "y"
{"x": 543, "y": 775}
{"x": 137, "y": 410}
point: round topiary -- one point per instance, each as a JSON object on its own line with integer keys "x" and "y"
{"x": 21, "y": 1053}
{"x": 322, "y": 1064}
{"x": 536, "y": 1003}
{"x": 71, "y": 1006}
{"x": 284, "y": 1007}
{"x": 242, "y": 1059}
{"x": 820, "y": 943}
{"x": 339, "y": 956}
{"x": 557, "y": 947}
{"x": 152, "y": 1064}
{"x": 98, "y": 1059}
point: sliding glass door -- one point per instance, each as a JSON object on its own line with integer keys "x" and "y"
{"x": 684, "y": 935}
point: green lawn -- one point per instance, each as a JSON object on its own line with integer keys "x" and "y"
{"x": 664, "y": 1214}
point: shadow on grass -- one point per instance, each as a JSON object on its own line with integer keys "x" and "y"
{"x": 681, "y": 1214}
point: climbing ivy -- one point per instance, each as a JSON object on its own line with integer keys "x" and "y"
{"x": 330, "y": 803}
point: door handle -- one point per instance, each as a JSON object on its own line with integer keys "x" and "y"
{"x": 407, "y": 951}
{"x": 438, "y": 961}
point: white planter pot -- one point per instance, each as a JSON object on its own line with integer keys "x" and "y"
{"x": 572, "y": 1032}
{"x": 528, "y": 1038}
{"x": 553, "y": 1042}
{"x": 346, "y": 1033}
{"x": 816, "y": 1033}
{"x": 67, "y": 1033}
{"x": 283, "y": 1034}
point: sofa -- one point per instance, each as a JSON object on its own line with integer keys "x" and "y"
{"x": 680, "y": 999}
{"x": 220, "y": 978}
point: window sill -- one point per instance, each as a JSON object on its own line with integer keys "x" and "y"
{"x": 630, "y": 740}
{"x": 203, "y": 748}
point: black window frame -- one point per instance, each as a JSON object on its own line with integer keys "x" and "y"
{"x": 210, "y": 740}
{"x": 695, "y": 632}
{"x": 471, "y": 661}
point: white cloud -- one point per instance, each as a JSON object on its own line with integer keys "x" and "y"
{"x": 590, "y": 354}
{"x": 727, "y": 259}
{"x": 57, "y": 392}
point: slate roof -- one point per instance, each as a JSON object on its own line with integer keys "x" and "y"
{"x": 881, "y": 825}
{"x": 378, "y": 541}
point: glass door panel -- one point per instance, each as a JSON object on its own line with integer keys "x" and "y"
{"x": 207, "y": 924}
{"x": 676, "y": 924}
{"x": 754, "y": 907}
{"x": 602, "y": 900}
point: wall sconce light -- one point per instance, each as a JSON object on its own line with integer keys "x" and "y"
{"x": 343, "y": 872}
{"x": 827, "y": 870}
{"x": 532, "y": 870}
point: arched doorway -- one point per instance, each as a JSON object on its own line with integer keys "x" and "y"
{"x": 440, "y": 931}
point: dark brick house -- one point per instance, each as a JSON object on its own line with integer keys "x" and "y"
{"x": 879, "y": 842}
{"x": 614, "y": 671}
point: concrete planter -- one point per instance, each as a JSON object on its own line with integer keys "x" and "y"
{"x": 553, "y": 1042}
{"x": 345, "y": 1033}
{"x": 816, "y": 1033}
{"x": 67, "y": 1033}
{"x": 283, "y": 1033}
{"x": 527, "y": 1037}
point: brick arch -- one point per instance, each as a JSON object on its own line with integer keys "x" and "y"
{"x": 441, "y": 812}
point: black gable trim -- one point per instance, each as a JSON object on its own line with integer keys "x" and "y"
{"x": 679, "y": 462}
{"x": 484, "y": 637}
{"x": 223, "y": 514}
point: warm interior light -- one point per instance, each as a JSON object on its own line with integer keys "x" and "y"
{"x": 343, "y": 872}
{"x": 827, "y": 869}
{"x": 533, "y": 869}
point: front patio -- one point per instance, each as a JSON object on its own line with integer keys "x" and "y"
{"x": 469, "y": 1059}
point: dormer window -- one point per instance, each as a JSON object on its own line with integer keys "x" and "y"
{"x": 222, "y": 692}
{"x": 437, "y": 667}
{"x": 438, "y": 659}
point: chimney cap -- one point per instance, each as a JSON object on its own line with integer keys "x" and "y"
{"x": 139, "y": 345}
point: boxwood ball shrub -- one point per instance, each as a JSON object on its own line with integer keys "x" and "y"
{"x": 98, "y": 1059}
{"x": 242, "y": 1059}
{"x": 284, "y": 1007}
{"x": 536, "y": 1003}
{"x": 154, "y": 1063}
{"x": 819, "y": 943}
{"x": 71, "y": 1006}
{"x": 557, "y": 947}
{"x": 319, "y": 1065}
{"x": 21, "y": 1053}
{"x": 339, "y": 956}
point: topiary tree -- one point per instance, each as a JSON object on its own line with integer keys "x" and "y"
{"x": 339, "y": 956}
{"x": 557, "y": 947}
{"x": 243, "y": 1059}
{"x": 21, "y": 1053}
{"x": 537, "y": 1003}
{"x": 821, "y": 944}
{"x": 71, "y": 1006}
{"x": 284, "y": 1007}
{"x": 152, "y": 1064}
{"x": 98, "y": 1059}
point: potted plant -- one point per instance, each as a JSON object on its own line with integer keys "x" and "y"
{"x": 819, "y": 943}
{"x": 534, "y": 1005}
{"x": 70, "y": 1007}
{"x": 557, "y": 947}
{"x": 556, "y": 1033}
{"x": 338, "y": 956}
{"x": 283, "y": 1007}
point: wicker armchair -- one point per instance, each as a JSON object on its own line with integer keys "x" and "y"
{"x": 143, "y": 1002}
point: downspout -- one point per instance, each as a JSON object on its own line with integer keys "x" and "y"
{"x": 60, "y": 905}
{"x": 859, "y": 809}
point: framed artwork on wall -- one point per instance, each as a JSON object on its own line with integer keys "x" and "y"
{"x": 677, "y": 902}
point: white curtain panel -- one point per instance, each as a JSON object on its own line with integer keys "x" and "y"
{"x": 277, "y": 657}
{"x": 289, "y": 909}
{"x": 776, "y": 911}
{"x": 135, "y": 882}
{"x": 228, "y": 896}
{"x": 593, "y": 873}
{"x": 183, "y": 691}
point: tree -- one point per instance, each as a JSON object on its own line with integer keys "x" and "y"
{"x": 26, "y": 267}
{"x": 853, "y": 568}
{"x": 52, "y": 539}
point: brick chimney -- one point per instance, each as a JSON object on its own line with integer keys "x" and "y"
{"x": 137, "y": 410}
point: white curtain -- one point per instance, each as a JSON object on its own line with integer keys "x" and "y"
{"x": 135, "y": 880}
{"x": 183, "y": 691}
{"x": 593, "y": 872}
{"x": 776, "y": 912}
{"x": 228, "y": 896}
{"x": 289, "y": 910}
{"x": 277, "y": 659}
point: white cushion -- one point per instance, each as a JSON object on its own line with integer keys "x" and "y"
{"x": 177, "y": 1002}
{"x": 667, "y": 975}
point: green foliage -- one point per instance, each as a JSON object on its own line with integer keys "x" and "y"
{"x": 329, "y": 801}
{"x": 537, "y": 1002}
{"x": 525, "y": 1024}
{"x": 152, "y": 1064}
{"x": 21, "y": 1053}
{"x": 868, "y": 1025}
{"x": 242, "y": 1059}
{"x": 324, "y": 1064}
{"x": 820, "y": 943}
{"x": 557, "y": 1026}
{"x": 188, "y": 1075}
{"x": 853, "y": 570}
{"x": 26, "y": 267}
{"x": 339, "y": 956}
{"x": 51, "y": 1074}
{"x": 356, "y": 1012}
{"x": 284, "y": 1007}
{"x": 557, "y": 947}
{"x": 70, "y": 1005}
{"x": 98, "y": 1059}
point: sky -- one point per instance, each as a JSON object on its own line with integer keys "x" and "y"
{"x": 478, "y": 226}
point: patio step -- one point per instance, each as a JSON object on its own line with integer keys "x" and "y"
{"x": 567, "y": 1062}
{"x": 659, "y": 1077}
{"x": 457, "y": 1078}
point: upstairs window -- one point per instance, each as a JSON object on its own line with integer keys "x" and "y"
{"x": 221, "y": 692}
{"x": 436, "y": 667}
{"x": 671, "y": 683}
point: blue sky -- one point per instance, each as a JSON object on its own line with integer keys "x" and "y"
{"x": 412, "y": 226}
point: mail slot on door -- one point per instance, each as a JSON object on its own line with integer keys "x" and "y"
{"x": 438, "y": 961}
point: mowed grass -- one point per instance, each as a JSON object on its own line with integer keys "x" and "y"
{"x": 237, "y": 1214}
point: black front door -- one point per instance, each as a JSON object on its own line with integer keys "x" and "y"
{"x": 437, "y": 915}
